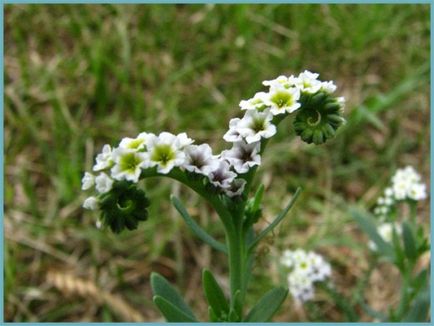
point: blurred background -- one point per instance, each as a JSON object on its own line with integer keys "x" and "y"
{"x": 80, "y": 76}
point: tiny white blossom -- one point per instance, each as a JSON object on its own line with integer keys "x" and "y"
{"x": 256, "y": 125}
{"x": 417, "y": 191}
{"x": 164, "y": 151}
{"x": 104, "y": 159}
{"x": 88, "y": 181}
{"x": 103, "y": 183}
{"x": 255, "y": 103}
{"x": 281, "y": 81}
{"x": 308, "y": 82}
{"x": 243, "y": 156}
{"x": 183, "y": 140}
{"x": 233, "y": 135}
{"x": 137, "y": 143}
{"x": 222, "y": 177}
{"x": 90, "y": 203}
{"x": 283, "y": 100}
{"x": 328, "y": 87}
{"x": 199, "y": 159}
{"x": 236, "y": 188}
{"x": 128, "y": 164}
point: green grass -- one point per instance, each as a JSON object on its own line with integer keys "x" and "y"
{"x": 80, "y": 76}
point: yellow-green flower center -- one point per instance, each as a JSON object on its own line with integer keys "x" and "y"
{"x": 135, "y": 143}
{"x": 129, "y": 162}
{"x": 163, "y": 154}
{"x": 282, "y": 99}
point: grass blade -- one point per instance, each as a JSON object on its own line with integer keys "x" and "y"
{"x": 267, "y": 306}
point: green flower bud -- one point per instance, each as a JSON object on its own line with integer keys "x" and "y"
{"x": 124, "y": 206}
{"x": 318, "y": 118}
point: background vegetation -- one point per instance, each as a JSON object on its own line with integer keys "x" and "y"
{"x": 80, "y": 76}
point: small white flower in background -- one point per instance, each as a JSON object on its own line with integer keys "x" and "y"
{"x": 91, "y": 203}
{"x": 308, "y": 82}
{"x": 283, "y": 100}
{"x": 137, "y": 143}
{"x": 236, "y": 188}
{"x": 233, "y": 135}
{"x": 222, "y": 177}
{"x": 385, "y": 231}
{"x": 243, "y": 156}
{"x": 256, "y": 125}
{"x": 255, "y": 103}
{"x": 103, "y": 183}
{"x": 88, "y": 181}
{"x": 199, "y": 159}
{"x": 306, "y": 268}
{"x": 104, "y": 159}
{"x": 417, "y": 192}
{"x": 128, "y": 164}
{"x": 165, "y": 151}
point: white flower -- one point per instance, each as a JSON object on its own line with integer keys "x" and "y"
{"x": 281, "y": 81}
{"x": 103, "y": 183}
{"x": 236, "y": 188}
{"x": 128, "y": 164}
{"x": 137, "y": 143}
{"x": 222, "y": 177}
{"x": 91, "y": 203}
{"x": 283, "y": 100}
{"x": 199, "y": 159}
{"x": 388, "y": 192}
{"x": 255, "y": 103}
{"x": 243, "y": 156}
{"x": 88, "y": 181}
{"x": 307, "y": 82}
{"x": 165, "y": 151}
{"x": 183, "y": 140}
{"x": 328, "y": 87}
{"x": 256, "y": 125}
{"x": 417, "y": 192}
{"x": 233, "y": 135}
{"x": 104, "y": 160}
{"x": 306, "y": 269}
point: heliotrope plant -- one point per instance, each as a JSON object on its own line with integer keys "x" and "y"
{"x": 224, "y": 180}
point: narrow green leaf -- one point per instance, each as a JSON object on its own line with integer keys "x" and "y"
{"x": 341, "y": 302}
{"x": 409, "y": 241}
{"x": 367, "y": 224}
{"x": 276, "y": 221}
{"x": 201, "y": 233}
{"x": 267, "y": 306}
{"x": 258, "y": 197}
{"x": 399, "y": 251}
{"x": 237, "y": 304}
{"x": 419, "y": 309}
{"x": 214, "y": 294}
{"x": 171, "y": 312}
{"x": 212, "y": 315}
{"x": 162, "y": 288}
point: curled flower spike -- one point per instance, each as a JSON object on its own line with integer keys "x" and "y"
{"x": 124, "y": 206}
{"x": 318, "y": 118}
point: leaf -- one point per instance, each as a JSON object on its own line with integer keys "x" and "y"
{"x": 171, "y": 312}
{"x": 201, "y": 233}
{"x": 212, "y": 315}
{"x": 237, "y": 304}
{"x": 399, "y": 251}
{"x": 420, "y": 308}
{"x": 267, "y": 305}
{"x": 214, "y": 294}
{"x": 162, "y": 288}
{"x": 409, "y": 241}
{"x": 367, "y": 224}
{"x": 342, "y": 302}
{"x": 276, "y": 221}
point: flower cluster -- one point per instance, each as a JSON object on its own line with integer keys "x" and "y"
{"x": 405, "y": 185}
{"x": 385, "y": 231}
{"x": 306, "y": 268}
{"x": 318, "y": 112}
{"x": 317, "y": 118}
